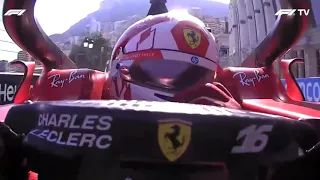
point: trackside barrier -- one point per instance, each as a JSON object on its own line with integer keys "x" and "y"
{"x": 9, "y": 83}
{"x": 310, "y": 88}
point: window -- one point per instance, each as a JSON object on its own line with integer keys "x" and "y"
{"x": 224, "y": 52}
{"x": 312, "y": 19}
{"x": 301, "y": 67}
{"x": 275, "y": 8}
{"x": 266, "y": 4}
{"x": 294, "y": 54}
{"x": 295, "y": 69}
{"x": 318, "y": 61}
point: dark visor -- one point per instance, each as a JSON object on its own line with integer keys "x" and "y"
{"x": 169, "y": 74}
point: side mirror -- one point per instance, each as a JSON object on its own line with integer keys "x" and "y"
{"x": 23, "y": 91}
{"x": 293, "y": 89}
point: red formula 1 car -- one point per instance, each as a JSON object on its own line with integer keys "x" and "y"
{"x": 57, "y": 134}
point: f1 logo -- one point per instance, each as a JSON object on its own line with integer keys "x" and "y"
{"x": 289, "y": 12}
{"x": 17, "y": 12}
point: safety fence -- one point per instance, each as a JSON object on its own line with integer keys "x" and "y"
{"x": 9, "y": 83}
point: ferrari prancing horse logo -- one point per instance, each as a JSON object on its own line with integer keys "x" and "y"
{"x": 192, "y": 37}
{"x": 174, "y": 136}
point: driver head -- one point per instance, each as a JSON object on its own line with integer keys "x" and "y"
{"x": 161, "y": 55}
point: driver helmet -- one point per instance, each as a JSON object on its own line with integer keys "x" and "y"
{"x": 162, "y": 55}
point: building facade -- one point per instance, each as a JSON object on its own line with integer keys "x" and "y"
{"x": 309, "y": 47}
{"x": 3, "y": 65}
{"x": 94, "y": 26}
{"x": 8, "y": 49}
{"x": 251, "y": 20}
{"x": 219, "y": 28}
{"x": 215, "y": 24}
{"x": 24, "y": 56}
{"x": 107, "y": 27}
{"x": 196, "y": 12}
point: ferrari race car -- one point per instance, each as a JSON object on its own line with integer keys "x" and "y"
{"x": 72, "y": 133}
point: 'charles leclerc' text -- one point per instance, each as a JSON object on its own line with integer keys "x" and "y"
{"x": 69, "y": 130}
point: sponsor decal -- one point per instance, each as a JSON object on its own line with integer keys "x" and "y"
{"x": 9, "y": 84}
{"x": 58, "y": 82}
{"x": 194, "y": 60}
{"x": 250, "y": 81}
{"x": 90, "y": 131}
{"x": 192, "y": 38}
{"x": 174, "y": 136}
{"x": 140, "y": 55}
{"x": 310, "y": 88}
{"x": 7, "y": 92}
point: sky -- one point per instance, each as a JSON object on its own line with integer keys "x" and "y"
{"x": 56, "y": 16}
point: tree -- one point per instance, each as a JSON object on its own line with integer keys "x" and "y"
{"x": 95, "y": 57}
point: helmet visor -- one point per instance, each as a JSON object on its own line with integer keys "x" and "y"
{"x": 168, "y": 74}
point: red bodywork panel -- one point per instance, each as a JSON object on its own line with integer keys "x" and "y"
{"x": 253, "y": 83}
{"x": 261, "y": 90}
{"x": 70, "y": 84}
{"x": 4, "y": 109}
{"x": 294, "y": 110}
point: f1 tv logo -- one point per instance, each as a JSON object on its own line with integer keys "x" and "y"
{"x": 291, "y": 12}
{"x": 17, "y": 12}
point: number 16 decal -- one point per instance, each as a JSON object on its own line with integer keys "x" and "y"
{"x": 254, "y": 137}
